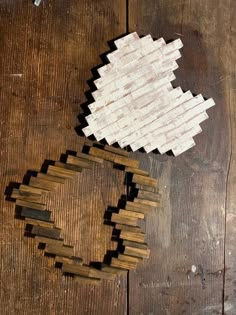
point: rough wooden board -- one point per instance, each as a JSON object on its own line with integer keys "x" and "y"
{"x": 48, "y": 52}
{"x": 230, "y": 238}
{"x": 187, "y": 231}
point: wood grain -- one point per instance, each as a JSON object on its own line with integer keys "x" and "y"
{"x": 48, "y": 52}
{"x": 184, "y": 274}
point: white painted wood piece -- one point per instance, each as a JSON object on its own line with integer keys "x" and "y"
{"x": 135, "y": 103}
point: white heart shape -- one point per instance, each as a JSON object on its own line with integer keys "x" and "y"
{"x": 136, "y": 104}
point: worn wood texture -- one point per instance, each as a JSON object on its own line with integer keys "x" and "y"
{"x": 46, "y": 56}
{"x": 185, "y": 272}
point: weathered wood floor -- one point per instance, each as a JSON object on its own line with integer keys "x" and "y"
{"x": 46, "y": 54}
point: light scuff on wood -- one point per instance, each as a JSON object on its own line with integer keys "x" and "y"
{"x": 135, "y": 103}
{"x": 131, "y": 246}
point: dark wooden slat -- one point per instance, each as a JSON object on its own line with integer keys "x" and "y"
{"x": 68, "y": 166}
{"x": 133, "y": 214}
{"x": 82, "y": 163}
{"x": 128, "y": 228}
{"x": 30, "y": 189}
{"x": 86, "y": 271}
{"x": 130, "y": 258}
{"x": 51, "y": 178}
{"x": 116, "y": 150}
{"x": 88, "y": 157}
{"x": 146, "y": 188}
{"x": 122, "y": 219}
{"x": 48, "y": 240}
{"x": 64, "y": 250}
{"x": 46, "y": 232}
{"x": 136, "y": 171}
{"x": 132, "y": 236}
{"x": 39, "y": 222}
{"x": 32, "y": 205}
{"x": 43, "y": 184}
{"x": 61, "y": 172}
{"x": 137, "y": 252}
{"x": 135, "y": 206}
{"x": 115, "y": 158}
{"x": 144, "y": 180}
{"x": 150, "y": 203}
{"x": 128, "y": 265}
{"x": 25, "y": 195}
{"x": 148, "y": 195}
{"x": 35, "y": 214}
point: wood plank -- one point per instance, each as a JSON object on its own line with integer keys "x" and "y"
{"x": 32, "y": 189}
{"x": 146, "y": 188}
{"x": 128, "y": 265}
{"x": 64, "y": 250}
{"x": 88, "y": 157}
{"x": 50, "y": 178}
{"x": 48, "y": 240}
{"x": 130, "y": 258}
{"x": 86, "y": 271}
{"x": 136, "y": 171}
{"x": 122, "y": 219}
{"x": 132, "y": 236}
{"x": 144, "y": 180}
{"x": 35, "y": 214}
{"x": 135, "y": 244}
{"x": 192, "y": 186}
{"x": 112, "y": 157}
{"x": 46, "y": 232}
{"x": 128, "y": 228}
{"x": 82, "y": 163}
{"x": 133, "y": 214}
{"x": 114, "y": 270}
{"x": 39, "y": 222}
{"x": 116, "y": 150}
{"x": 61, "y": 172}
{"x": 68, "y": 166}
{"x": 43, "y": 184}
{"x": 25, "y": 195}
{"x": 137, "y": 206}
{"x": 32, "y": 205}
{"x": 39, "y": 109}
{"x": 146, "y": 202}
{"x": 143, "y": 194}
{"x": 137, "y": 252}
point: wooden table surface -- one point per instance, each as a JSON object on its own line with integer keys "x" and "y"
{"x": 47, "y": 54}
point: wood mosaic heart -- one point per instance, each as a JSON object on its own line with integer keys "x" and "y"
{"x": 136, "y": 104}
{"x": 131, "y": 249}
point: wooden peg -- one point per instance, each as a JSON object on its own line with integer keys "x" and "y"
{"x": 51, "y": 178}
{"x": 43, "y": 184}
{"x": 132, "y": 236}
{"x": 82, "y": 163}
{"x": 88, "y": 157}
{"x": 32, "y": 205}
{"x": 39, "y": 222}
{"x": 136, "y": 171}
{"x": 128, "y": 265}
{"x": 24, "y": 195}
{"x": 122, "y": 219}
{"x": 64, "y": 250}
{"x": 144, "y": 180}
{"x": 133, "y": 214}
{"x": 46, "y": 232}
{"x": 35, "y": 214}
